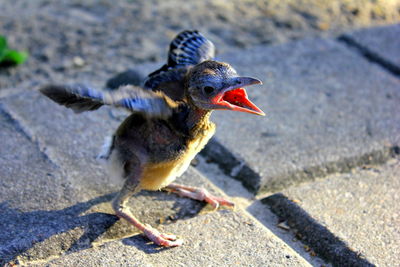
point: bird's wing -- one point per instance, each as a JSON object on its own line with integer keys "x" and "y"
{"x": 189, "y": 48}
{"x": 81, "y": 98}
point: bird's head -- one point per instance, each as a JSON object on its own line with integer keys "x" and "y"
{"x": 216, "y": 85}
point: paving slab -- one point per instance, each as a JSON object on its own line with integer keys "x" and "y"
{"x": 218, "y": 238}
{"x": 30, "y": 186}
{"x": 37, "y": 200}
{"x": 28, "y": 178}
{"x": 246, "y": 200}
{"x": 85, "y": 224}
{"x": 328, "y": 110}
{"x": 66, "y": 138}
{"x": 349, "y": 219}
{"x": 379, "y": 44}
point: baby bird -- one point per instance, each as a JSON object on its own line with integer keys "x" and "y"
{"x": 169, "y": 123}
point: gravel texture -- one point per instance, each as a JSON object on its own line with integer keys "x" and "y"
{"x": 85, "y": 40}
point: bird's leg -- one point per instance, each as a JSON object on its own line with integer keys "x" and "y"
{"x": 199, "y": 194}
{"x": 122, "y": 211}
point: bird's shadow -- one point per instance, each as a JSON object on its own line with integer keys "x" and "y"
{"x": 22, "y": 231}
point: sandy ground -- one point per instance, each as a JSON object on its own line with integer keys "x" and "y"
{"x": 84, "y": 39}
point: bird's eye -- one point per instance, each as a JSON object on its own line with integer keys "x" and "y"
{"x": 208, "y": 90}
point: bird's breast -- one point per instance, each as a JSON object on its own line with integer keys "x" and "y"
{"x": 158, "y": 175}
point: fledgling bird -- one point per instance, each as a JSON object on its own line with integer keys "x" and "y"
{"x": 169, "y": 123}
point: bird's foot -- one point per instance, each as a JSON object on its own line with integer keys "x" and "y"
{"x": 199, "y": 194}
{"x": 165, "y": 240}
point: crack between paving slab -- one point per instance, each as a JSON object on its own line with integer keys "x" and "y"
{"x": 345, "y": 165}
{"x": 253, "y": 208}
{"x": 370, "y": 55}
{"x": 25, "y": 132}
{"x": 323, "y": 242}
{"x": 300, "y": 224}
{"x": 232, "y": 165}
{"x": 236, "y": 168}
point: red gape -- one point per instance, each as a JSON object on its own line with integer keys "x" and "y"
{"x": 238, "y": 101}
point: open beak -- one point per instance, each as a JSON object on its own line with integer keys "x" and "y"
{"x": 234, "y": 97}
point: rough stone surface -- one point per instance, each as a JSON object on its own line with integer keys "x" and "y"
{"x": 109, "y": 254}
{"x": 29, "y": 180}
{"x": 61, "y": 146}
{"x": 66, "y": 138}
{"x": 234, "y": 246}
{"x": 328, "y": 110}
{"x": 245, "y": 200}
{"x": 350, "y": 219}
{"x": 380, "y": 43}
{"x": 32, "y": 189}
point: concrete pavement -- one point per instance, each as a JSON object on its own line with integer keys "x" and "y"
{"x": 324, "y": 161}
{"x": 55, "y": 202}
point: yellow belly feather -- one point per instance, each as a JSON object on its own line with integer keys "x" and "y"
{"x": 157, "y": 176}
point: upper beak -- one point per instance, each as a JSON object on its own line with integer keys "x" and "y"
{"x": 234, "y": 97}
{"x": 241, "y": 81}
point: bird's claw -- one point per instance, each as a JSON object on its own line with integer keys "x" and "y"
{"x": 165, "y": 240}
{"x": 214, "y": 201}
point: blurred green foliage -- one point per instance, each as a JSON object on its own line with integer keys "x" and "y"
{"x": 9, "y": 56}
